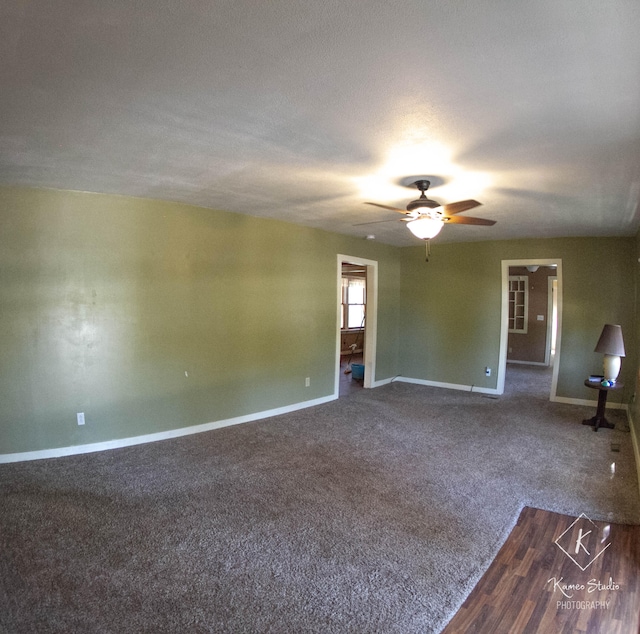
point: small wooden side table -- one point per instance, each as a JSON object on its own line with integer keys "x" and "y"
{"x": 599, "y": 420}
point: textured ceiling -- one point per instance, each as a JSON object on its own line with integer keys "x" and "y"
{"x": 304, "y": 110}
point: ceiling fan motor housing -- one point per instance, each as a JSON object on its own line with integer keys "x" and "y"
{"x": 423, "y": 201}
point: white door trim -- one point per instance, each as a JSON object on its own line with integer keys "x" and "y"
{"x": 547, "y": 352}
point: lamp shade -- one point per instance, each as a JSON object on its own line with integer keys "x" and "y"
{"x": 611, "y": 341}
{"x": 424, "y": 227}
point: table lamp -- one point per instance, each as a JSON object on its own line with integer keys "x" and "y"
{"x": 612, "y": 346}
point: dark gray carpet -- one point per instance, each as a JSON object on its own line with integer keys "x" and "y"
{"x": 376, "y": 513}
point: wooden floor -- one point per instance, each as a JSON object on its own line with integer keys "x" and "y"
{"x": 537, "y": 585}
{"x": 349, "y": 385}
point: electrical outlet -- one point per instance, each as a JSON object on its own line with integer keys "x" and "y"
{"x": 80, "y": 417}
{"x": 307, "y": 382}
{"x": 487, "y": 371}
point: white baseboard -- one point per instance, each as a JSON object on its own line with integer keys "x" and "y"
{"x": 540, "y": 363}
{"x": 635, "y": 442}
{"x": 382, "y": 382}
{"x": 448, "y": 386}
{"x": 59, "y": 452}
{"x": 487, "y": 390}
{"x": 581, "y": 401}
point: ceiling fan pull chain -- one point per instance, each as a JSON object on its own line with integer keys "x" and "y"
{"x": 428, "y": 245}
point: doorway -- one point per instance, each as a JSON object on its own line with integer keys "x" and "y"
{"x": 530, "y": 325}
{"x": 356, "y": 323}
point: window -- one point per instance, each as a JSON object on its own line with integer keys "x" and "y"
{"x": 354, "y": 300}
{"x": 518, "y": 303}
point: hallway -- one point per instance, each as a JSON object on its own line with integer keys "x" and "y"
{"x": 534, "y": 380}
{"x": 348, "y": 384}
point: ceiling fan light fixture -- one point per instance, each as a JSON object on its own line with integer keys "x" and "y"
{"x": 425, "y": 217}
{"x": 425, "y": 228}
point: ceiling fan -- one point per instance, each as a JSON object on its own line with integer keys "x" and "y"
{"x": 426, "y": 217}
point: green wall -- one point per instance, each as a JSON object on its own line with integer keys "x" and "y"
{"x": 150, "y": 316}
{"x": 635, "y": 409}
{"x": 107, "y": 301}
{"x": 451, "y": 308}
{"x": 450, "y": 314}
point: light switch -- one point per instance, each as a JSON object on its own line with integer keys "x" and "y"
{"x": 540, "y": 317}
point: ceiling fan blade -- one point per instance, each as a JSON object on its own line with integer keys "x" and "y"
{"x": 467, "y": 220}
{"x": 461, "y": 205}
{"x": 400, "y": 211}
{"x": 375, "y": 222}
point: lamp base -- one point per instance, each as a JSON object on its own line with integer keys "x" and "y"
{"x": 611, "y": 367}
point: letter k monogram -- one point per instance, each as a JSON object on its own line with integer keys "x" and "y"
{"x": 579, "y": 543}
{"x": 580, "y": 536}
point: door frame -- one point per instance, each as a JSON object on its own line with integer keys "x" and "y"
{"x": 550, "y": 305}
{"x": 371, "y": 323}
{"x": 504, "y": 321}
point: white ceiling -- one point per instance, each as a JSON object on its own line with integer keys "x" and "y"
{"x": 303, "y": 110}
